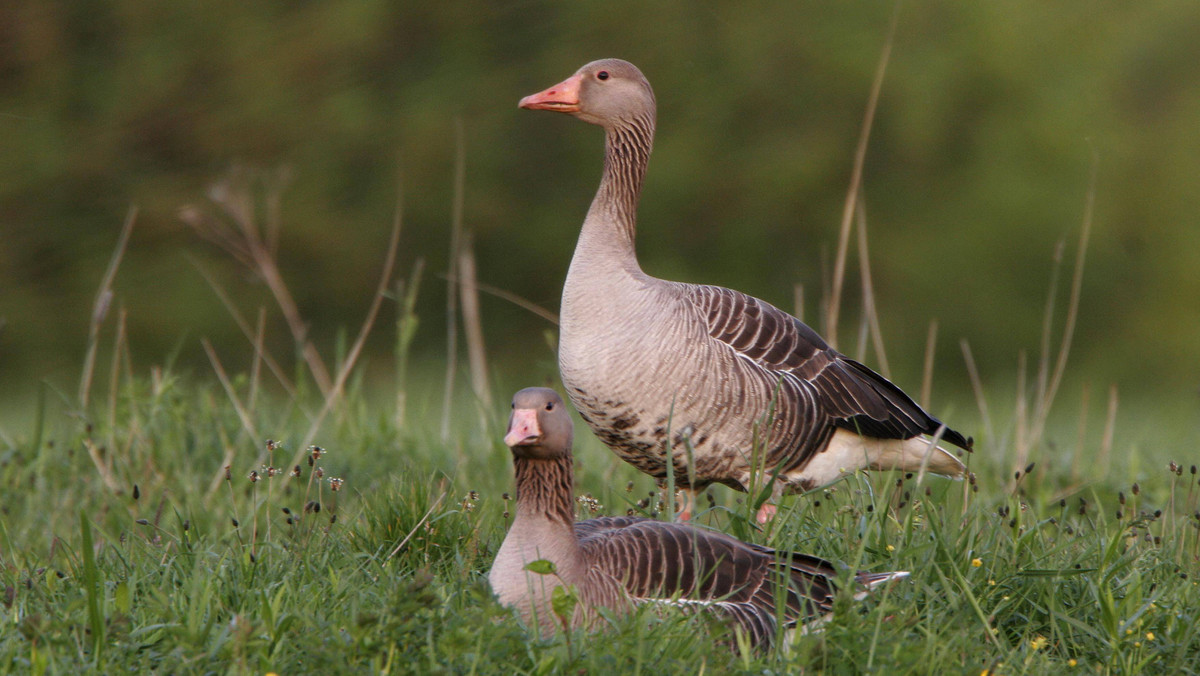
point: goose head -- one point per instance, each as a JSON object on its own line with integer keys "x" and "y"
{"x": 609, "y": 92}
{"x": 539, "y": 426}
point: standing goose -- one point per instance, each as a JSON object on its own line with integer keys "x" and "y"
{"x": 619, "y": 562}
{"x": 643, "y": 358}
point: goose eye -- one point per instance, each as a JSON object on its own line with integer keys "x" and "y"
{"x": 602, "y": 75}
{"x": 550, "y": 406}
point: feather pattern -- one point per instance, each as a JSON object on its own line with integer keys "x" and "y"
{"x": 707, "y": 383}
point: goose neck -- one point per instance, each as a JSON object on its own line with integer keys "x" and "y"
{"x": 612, "y": 220}
{"x": 545, "y": 492}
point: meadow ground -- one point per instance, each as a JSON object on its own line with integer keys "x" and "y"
{"x": 136, "y": 540}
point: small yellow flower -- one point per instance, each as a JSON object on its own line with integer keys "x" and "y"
{"x": 1149, "y": 636}
{"x": 891, "y": 548}
{"x": 992, "y": 583}
{"x": 976, "y": 562}
{"x": 1071, "y": 662}
{"x": 1037, "y": 642}
{"x": 1137, "y": 644}
{"x": 1129, "y": 632}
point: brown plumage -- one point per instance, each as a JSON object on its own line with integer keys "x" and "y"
{"x": 653, "y": 364}
{"x": 620, "y": 562}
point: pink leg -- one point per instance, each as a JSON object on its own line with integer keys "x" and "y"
{"x": 687, "y": 498}
{"x": 766, "y": 512}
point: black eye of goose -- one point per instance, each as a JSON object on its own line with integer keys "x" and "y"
{"x": 602, "y": 75}
{"x": 550, "y": 406}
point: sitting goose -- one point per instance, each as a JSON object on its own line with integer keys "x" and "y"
{"x": 642, "y": 357}
{"x": 619, "y": 562}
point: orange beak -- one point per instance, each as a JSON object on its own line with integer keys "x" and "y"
{"x": 562, "y": 97}
{"x": 523, "y": 428}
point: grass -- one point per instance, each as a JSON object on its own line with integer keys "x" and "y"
{"x": 155, "y": 529}
{"x": 143, "y": 556}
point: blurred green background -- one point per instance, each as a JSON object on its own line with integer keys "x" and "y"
{"x": 991, "y": 119}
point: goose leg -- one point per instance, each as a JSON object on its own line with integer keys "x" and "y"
{"x": 687, "y": 503}
{"x": 766, "y": 512}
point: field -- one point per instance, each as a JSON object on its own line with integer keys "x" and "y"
{"x": 158, "y": 531}
{"x": 287, "y": 517}
{"x": 208, "y": 466}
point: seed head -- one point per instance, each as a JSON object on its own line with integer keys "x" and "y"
{"x": 335, "y": 484}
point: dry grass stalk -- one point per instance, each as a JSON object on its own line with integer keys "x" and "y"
{"x": 1043, "y": 378}
{"x": 339, "y": 383}
{"x": 101, "y": 306}
{"x": 256, "y": 363}
{"x": 473, "y": 324}
{"x": 1060, "y": 364}
{"x": 1080, "y": 435}
{"x": 406, "y": 330}
{"x": 219, "y": 476}
{"x": 864, "y": 334}
{"x": 868, "y": 293}
{"x": 1110, "y": 425}
{"x": 798, "y": 300}
{"x": 103, "y": 462}
{"x": 252, "y": 336}
{"x": 235, "y": 195}
{"x": 927, "y": 367}
{"x": 519, "y": 301}
{"x": 452, "y": 277}
{"x": 860, "y": 156}
{"x": 1022, "y": 413}
{"x": 243, "y": 414}
{"x": 114, "y": 378}
{"x": 415, "y": 528}
{"x": 977, "y": 388}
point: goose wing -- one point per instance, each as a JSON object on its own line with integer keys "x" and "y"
{"x": 778, "y": 345}
{"x": 657, "y": 561}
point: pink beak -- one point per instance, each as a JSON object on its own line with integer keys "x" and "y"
{"x": 523, "y": 428}
{"x": 562, "y": 97}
